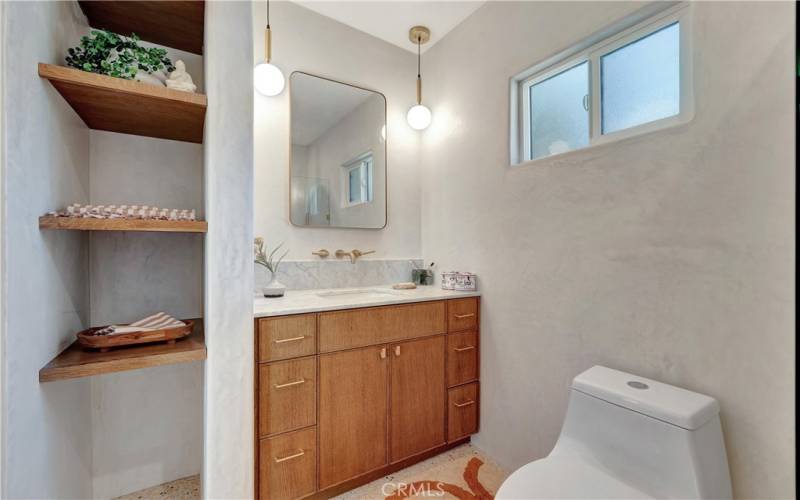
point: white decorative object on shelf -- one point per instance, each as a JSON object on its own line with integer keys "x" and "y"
{"x": 77, "y": 210}
{"x": 180, "y": 79}
{"x": 454, "y": 280}
{"x": 148, "y": 78}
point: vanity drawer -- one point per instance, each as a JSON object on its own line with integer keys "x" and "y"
{"x": 462, "y": 411}
{"x": 378, "y": 325}
{"x": 287, "y": 465}
{"x": 287, "y": 395}
{"x": 287, "y": 337}
{"x": 462, "y": 314}
{"x": 462, "y": 358}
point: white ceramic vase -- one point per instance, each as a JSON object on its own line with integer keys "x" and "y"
{"x": 274, "y": 288}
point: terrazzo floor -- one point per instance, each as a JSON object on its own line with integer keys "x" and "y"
{"x": 448, "y": 468}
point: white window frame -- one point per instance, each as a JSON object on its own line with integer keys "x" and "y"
{"x": 355, "y": 163}
{"x": 641, "y": 24}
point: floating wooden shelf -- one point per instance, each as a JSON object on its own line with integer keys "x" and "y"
{"x": 77, "y": 362}
{"x": 129, "y": 107}
{"x": 174, "y": 24}
{"x": 87, "y": 224}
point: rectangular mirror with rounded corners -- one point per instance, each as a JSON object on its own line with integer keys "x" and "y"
{"x": 338, "y": 154}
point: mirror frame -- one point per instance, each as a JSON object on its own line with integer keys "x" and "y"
{"x": 385, "y": 153}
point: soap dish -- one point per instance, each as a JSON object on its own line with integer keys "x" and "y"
{"x": 404, "y": 286}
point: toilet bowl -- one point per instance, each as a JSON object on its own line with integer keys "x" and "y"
{"x": 629, "y": 437}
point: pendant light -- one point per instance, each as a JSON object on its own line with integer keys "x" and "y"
{"x": 419, "y": 116}
{"x": 267, "y": 78}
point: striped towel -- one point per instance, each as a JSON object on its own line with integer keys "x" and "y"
{"x": 158, "y": 321}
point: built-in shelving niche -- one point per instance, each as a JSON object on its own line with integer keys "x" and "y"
{"x": 131, "y": 107}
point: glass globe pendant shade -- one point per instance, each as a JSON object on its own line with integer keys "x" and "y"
{"x": 268, "y": 79}
{"x": 419, "y": 117}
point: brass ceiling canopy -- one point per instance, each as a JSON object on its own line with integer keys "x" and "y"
{"x": 419, "y": 35}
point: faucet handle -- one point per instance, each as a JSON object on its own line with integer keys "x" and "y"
{"x": 359, "y": 253}
{"x": 322, "y": 253}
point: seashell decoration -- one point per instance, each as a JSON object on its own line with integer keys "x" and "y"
{"x": 124, "y": 212}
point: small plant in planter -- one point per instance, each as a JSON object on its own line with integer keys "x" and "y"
{"x": 108, "y": 53}
{"x": 274, "y": 288}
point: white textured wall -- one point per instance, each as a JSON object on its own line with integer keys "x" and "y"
{"x": 669, "y": 255}
{"x": 134, "y": 275}
{"x": 305, "y": 41}
{"x": 46, "y": 427}
{"x": 228, "y": 147}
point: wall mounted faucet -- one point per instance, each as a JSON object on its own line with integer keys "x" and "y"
{"x": 354, "y": 254}
{"x": 321, "y": 253}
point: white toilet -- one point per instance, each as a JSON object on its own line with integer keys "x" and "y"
{"x": 629, "y": 437}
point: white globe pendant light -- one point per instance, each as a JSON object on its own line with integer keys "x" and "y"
{"x": 268, "y": 78}
{"x": 419, "y": 116}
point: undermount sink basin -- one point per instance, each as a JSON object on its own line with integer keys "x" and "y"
{"x": 357, "y": 291}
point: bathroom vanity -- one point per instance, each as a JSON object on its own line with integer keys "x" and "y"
{"x": 353, "y": 385}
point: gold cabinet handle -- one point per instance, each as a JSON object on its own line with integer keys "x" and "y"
{"x": 383, "y": 353}
{"x": 465, "y": 403}
{"x": 397, "y": 350}
{"x": 297, "y": 454}
{"x": 293, "y": 339}
{"x": 290, "y": 384}
{"x": 465, "y": 348}
{"x": 464, "y": 316}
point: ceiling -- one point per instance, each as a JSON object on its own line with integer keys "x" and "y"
{"x": 390, "y": 20}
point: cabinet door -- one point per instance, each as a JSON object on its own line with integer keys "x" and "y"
{"x": 417, "y": 417}
{"x": 353, "y": 413}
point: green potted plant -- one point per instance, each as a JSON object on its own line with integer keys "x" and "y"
{"x": 108, "y": 53}
{"x": 274, "y": 288}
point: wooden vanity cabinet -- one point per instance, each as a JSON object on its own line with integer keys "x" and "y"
{"x": 353, "y": 404}
{"x": 362, "y": 393}
{"x": 417, "y": 388}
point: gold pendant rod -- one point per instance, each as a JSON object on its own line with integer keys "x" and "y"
{"x": 268, "y": 44}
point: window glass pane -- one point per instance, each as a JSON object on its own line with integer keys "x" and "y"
{"x": 640, "y": 82}
{"x": 355, "y": 185}
{"x": 559, "y": 116}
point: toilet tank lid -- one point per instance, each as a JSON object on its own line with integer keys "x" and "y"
{"x": 665, "y": 402}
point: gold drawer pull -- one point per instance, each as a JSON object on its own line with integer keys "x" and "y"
{"x": 298, "y": 454}
{"x": 293, "y": 339}
{"x": 464, "y": 316}
{"x": 465, "y": 403}
{"x": 465, "y": 348}
{"x": 290, "y": 384}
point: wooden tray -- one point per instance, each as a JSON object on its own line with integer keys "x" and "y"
{"x": 86, "y": 338}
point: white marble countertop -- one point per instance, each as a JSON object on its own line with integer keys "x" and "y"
{"x": 305, "y": 301}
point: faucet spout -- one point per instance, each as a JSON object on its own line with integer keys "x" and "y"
{"x": 356, "y": 253}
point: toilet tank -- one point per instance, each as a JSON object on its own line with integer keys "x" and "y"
{"x": 663, "y": 440}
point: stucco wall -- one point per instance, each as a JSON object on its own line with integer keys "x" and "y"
{"x": 46, "y": 427}
{"x": 228, "y": 168}
{"x": 133, "y": 275}
{"x": 669, "y": 255}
